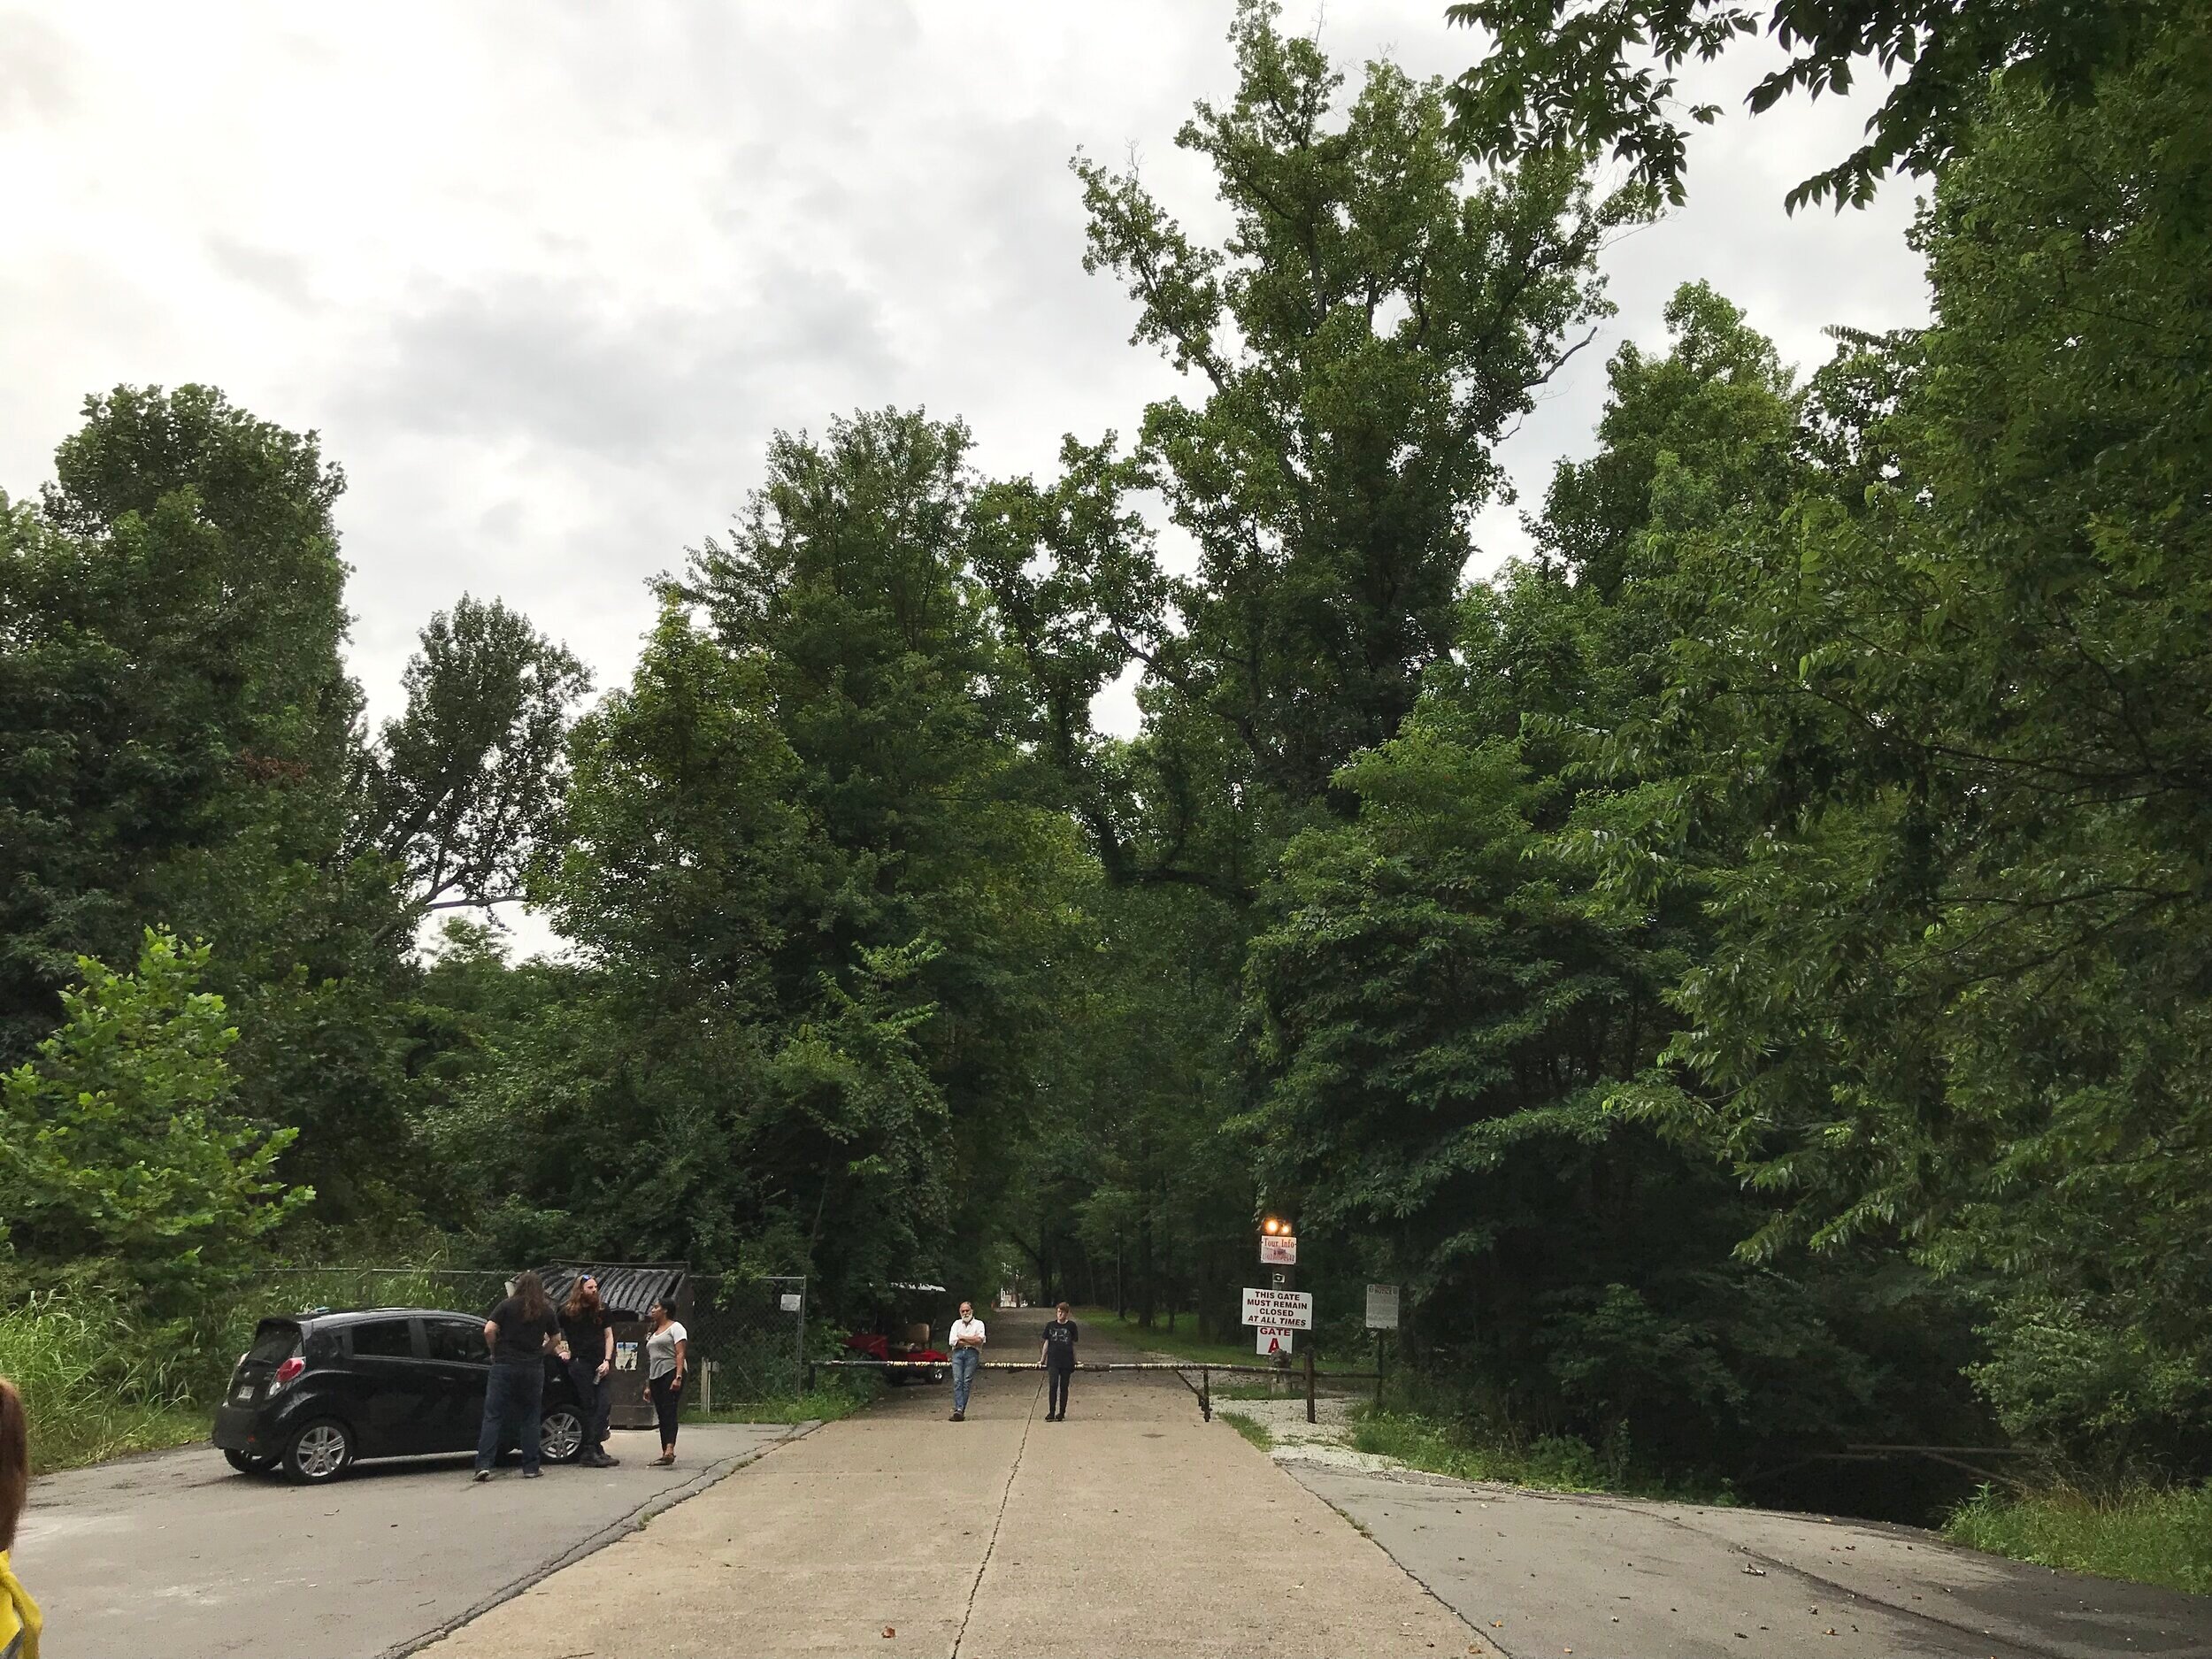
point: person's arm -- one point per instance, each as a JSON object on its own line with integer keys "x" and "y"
{"x": 683, "y": 1358}
{"x": 606, "y": 1360}
{"x": 491, "y": 1333}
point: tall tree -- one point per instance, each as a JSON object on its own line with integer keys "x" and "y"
{"x": 1568, "y": 72}
{"x": 1957, "y": 709}
{"x": 461, "y": 790}
{"x": 1377, "y": 317}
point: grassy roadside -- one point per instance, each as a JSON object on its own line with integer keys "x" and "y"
{"x": 826, "y": 1404}
{"x": 88, "y": 1391}
{"x": 1548, "y": 1462}
{"x": 1251, "y": 1428}
{"x": 2151, "y": 1536}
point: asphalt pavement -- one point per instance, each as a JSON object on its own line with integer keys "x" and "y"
{"x": 1545, "y": 1573}
{"x": 174, "y": 1555}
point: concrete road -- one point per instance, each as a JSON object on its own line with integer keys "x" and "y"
{"x": 174, "y": 1555}
{"x": 1539, "y": 1573}
{"x": 1133, "y": 1528}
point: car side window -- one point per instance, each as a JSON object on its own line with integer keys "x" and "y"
{"x": 383, "y": 1338}
{"x": 451, "y": 1340}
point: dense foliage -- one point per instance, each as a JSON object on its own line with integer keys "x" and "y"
{"x": 1743, "y": 969}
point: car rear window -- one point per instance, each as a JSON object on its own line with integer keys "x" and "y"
{"x": 273, "y": 1342}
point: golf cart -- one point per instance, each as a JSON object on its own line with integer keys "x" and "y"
{"x": 900, "y": 1331}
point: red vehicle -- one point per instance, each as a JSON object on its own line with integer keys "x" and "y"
{"x": 899, "y": 1335}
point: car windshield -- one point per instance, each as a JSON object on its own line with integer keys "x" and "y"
{"x": 273, "y": 1342}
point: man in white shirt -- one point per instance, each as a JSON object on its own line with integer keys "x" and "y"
{"x": 967, "y": 1353}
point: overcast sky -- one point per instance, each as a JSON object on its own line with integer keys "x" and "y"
{"x": 544, "y": 275}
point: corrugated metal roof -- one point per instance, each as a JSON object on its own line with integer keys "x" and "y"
{"x": 625, "y": 1288}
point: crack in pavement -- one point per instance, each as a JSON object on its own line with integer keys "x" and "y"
{"x": 997, "y": 1521}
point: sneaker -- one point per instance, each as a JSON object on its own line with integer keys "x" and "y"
{"x": 483, "y": 1474}
{"x": 959, "y": 1416}
{"x": 534, "y": 1474}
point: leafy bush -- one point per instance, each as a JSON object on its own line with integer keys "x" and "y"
{"x": 118, "y": 1142}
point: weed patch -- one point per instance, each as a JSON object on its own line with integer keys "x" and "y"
{"x": 2147, "y": 1535}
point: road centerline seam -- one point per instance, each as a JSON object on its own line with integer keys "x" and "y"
{"x": 997, "y": 1522}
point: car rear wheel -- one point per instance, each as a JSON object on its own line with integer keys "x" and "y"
{"x": 937, "y": 1373}
{"x": 561, "y": 1435}
{"x": 247, "y": 1463}
{"x": 321, "y": 1452}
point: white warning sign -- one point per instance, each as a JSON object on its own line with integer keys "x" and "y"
{"x": 1292, "y": 1308}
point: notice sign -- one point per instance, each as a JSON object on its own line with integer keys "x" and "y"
{"x": 1279, "y": 1250}
{"x": 790, "y": 1300}
{"x": 1275, "y": 1339}
{"x": 1290, "y": 1308}
{"x": 1382, "y": 1307}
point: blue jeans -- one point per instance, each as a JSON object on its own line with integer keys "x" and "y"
{"x": 514, "y": 1399}
{"x": 965, "y": 1360}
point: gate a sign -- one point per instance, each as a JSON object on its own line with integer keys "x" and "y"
{"x": 1275, "y": 1339}
{"x": 1292, "y": 1309}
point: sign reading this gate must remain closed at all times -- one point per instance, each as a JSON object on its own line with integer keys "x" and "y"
{"x": 1291, "y": 1308}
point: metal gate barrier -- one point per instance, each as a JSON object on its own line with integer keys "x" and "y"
{"x": 1309, "y": 1375}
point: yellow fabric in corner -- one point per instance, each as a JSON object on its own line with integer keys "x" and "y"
{"x": 18, "y": 1614}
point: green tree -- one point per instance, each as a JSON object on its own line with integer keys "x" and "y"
{"x": 461, "y": 790}
{"x": 1374, "y": 321}
{"x": 121, "y": 1141}
{"x": 1950, "y": 719}
{"x": 1566, "y": 71}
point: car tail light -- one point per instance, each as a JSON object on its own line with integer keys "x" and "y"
{"x": 288, "y": 1373}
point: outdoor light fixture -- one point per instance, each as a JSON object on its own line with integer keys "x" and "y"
{"x": 1275, "y": 1225}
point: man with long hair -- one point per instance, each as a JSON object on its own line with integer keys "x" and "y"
{"x": 521, "y": 1331}
{"x": 589, "y": 1334}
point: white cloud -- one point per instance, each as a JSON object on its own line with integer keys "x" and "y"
{"x": 545, "y": 276}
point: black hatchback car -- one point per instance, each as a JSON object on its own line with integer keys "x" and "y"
{"x": 317, "y": 1392}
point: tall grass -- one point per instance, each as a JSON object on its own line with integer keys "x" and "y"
{"x": 1555, "y": 1462}
{"x": 90, "y": 1388}
{"x": 2150, "y": 1535}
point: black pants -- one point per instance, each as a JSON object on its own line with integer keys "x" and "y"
{"x": 666, "y": 1397}
{"x": 591, "y": 1400}
{"x": 1056, "y": 1389}
{"x": 514, "y": 1402}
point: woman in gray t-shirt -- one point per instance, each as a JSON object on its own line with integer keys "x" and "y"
{"x": 667, "y": 1357}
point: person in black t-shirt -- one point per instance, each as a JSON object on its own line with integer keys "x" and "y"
{"x": 589, "y": 1336}
{"x": 521, "y": 1331}
{"x": 1058, "y": 1359}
